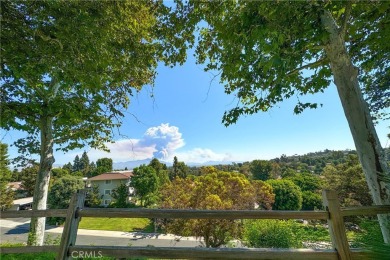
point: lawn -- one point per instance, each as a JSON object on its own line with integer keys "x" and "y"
{"x": 117, "y": 224}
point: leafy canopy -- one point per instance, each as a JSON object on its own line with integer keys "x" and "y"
{"x": 77, "y": 63}
{"x": 267, "y": 52}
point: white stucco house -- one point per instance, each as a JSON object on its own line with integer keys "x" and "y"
{"x": 110, "y": 181}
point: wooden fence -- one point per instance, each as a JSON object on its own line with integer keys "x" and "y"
{"x": 332, "y": 213}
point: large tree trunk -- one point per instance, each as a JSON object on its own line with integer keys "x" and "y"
{"x": 37, "y": 226}
{"x": 369, "y": 149}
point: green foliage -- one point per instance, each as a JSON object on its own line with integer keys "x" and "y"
{"x": 103, "y": 165}
{"x": 6, "y": 195}
{"x": 311, "y": 201}
{"x": 178, "y": 170}
{"x": 270, "y": 234}
{"x": 263, "y": 48}
{"x": 370, "y": 238}
{"x": 349, "y": 182}
{"x": 308, "y": 182}
{"x": 84, "y": 164}
{"x": 213, "y": 190}
{"x": 161, "y": 170}
{"x": 29, "y": 176}
{"x": 77, "y": 62}
{"x": 61, "y": 193}
{"x": 288, "y": 196}
{"x": 261, "y": 169}
{"x": 93, "y": 198}
{"x": 121, "y": 196}
{"x": 145, "y": 183}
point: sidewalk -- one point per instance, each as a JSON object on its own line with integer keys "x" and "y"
{"x": 121, "y": 234}
{"x": 25, "y": 223}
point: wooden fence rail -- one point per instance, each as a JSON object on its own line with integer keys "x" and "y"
{"x": 333, "y": 214}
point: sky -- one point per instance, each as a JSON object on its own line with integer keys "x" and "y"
{"x": 184, "y": 119}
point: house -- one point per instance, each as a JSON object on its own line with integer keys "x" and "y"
{"x": 110, "y": 181}
{"x": 18, "y": 189}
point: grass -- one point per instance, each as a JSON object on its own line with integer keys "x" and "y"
{"x": 117, "y": 224}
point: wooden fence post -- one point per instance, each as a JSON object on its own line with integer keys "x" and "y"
{"x": 71, "y": 224}
{"x": 336, "y": 224}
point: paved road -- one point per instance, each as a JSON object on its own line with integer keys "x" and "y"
{"x": 16, "y": 230}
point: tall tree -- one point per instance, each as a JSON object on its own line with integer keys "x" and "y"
{"x": 270, "y": 51}
{"x": 68, "y": 70}
{"x": 76, "y": 164}
{"x": 161, "y": 170}
{"x": 145, "y": 183}
{"x": 103, "y": 165}
{"x": 179, "y": 169}
{"x": 84, "y": 163}
{"x": 6, "y": 194}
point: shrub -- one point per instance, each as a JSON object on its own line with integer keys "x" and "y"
{"x": 288, "y": 196}
{"x": 270, "y": 233}
{"x": 311, "y": 201}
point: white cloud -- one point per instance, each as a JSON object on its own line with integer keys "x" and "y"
{"x": 160, "y": 142}
{"x": 200, "y": 155}
{"x": 165, "y": 139}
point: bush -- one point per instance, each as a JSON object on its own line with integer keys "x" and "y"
{"x": 288, "y": 196}
{"x": 371, "y": 239}
{"x": 311, "y": 201}
{"x": 270, "y": 234}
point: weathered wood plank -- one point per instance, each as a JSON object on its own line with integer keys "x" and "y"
{"x": 71, "y": 226}
{"x": 336, "y": 225}
{"x": 33, "y": 213}
{"x": 202, "y": 214}
{"x": 28, "y": 249}
{"x": 366, "y": 210}
{"x": 203, "y": 253}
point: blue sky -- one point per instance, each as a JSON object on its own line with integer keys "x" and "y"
{"x": 184, "y": 117}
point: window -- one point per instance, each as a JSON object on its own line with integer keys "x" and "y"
{"x": 108, "y": 181}
{"x": 107, "y": 192}
{"x": 107, "y": 202}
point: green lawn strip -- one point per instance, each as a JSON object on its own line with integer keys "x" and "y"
{"x": 117, "y": 224}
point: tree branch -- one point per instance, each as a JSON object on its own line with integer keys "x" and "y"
{"x": 309, "y": 65}
{"x": 347, "y": 15}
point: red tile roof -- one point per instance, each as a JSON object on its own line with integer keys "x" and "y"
{"x": 112, "y": 176}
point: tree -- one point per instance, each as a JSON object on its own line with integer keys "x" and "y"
{"x": 121, "y": 196}
{"x": 288, "y": 196}
{"x": 57, "y": 173}
{"x": 161, "y": 170}
{"x": 215, "y": 190}
{"x": 61, "y": 193}
{"x": 76, "y": 164}
{"x": 268, "y": 52}
{"x": 179, "y": 169}
{"x": 261, "y": 169}
{"x": 93, "y": 197}
{"x": 145, "y": 183}
{"x": 68, "y": 70}
{"x": 29, "y": 179}
{"x": 103, "y": 165}
{"x": 84, "y": 164}
{"x": 6, "y": 195}
{"x": 68, "y": 167}
{"x": 348, "y": 180}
